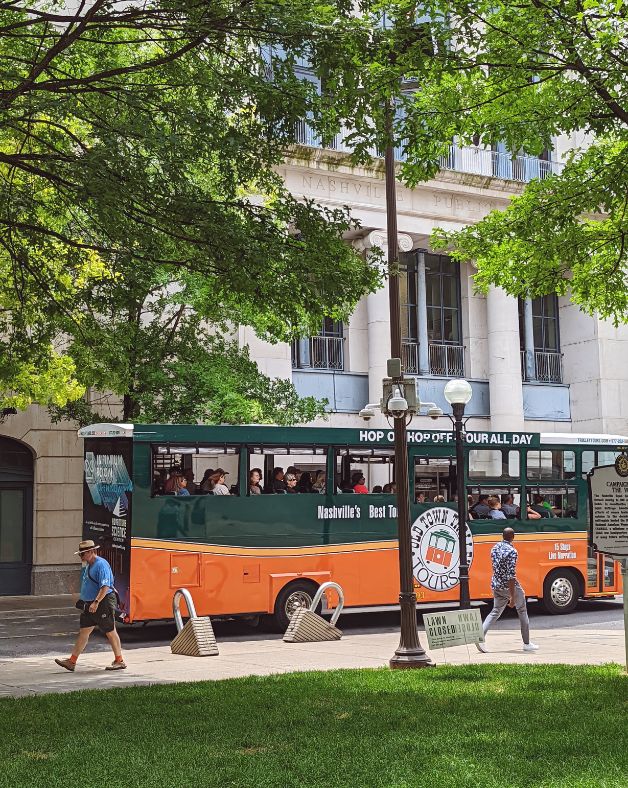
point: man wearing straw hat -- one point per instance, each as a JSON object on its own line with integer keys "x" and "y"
{"x": 98, "y": 604}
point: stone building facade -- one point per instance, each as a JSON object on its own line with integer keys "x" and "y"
{"x": 539, "y": 366}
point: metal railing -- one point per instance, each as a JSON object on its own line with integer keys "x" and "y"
{"x": 410, "y": 357}
{"x": 307, "y": 136}
{"x": 484, "y": 161}
{"x": 469, "y": 159}
{"x": 548, "y": 366}
{"x": 444, "y": 360}
{"x": 447, "y": 360}
{"x": 324, "y": 353}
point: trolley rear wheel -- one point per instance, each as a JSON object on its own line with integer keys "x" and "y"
{"x": 296, "y": 595}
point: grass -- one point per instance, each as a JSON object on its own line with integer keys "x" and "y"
{"x": 547, "y": 726}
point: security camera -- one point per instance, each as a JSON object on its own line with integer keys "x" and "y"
{"x": 434, "y": 413}
{"x": 397, "y": 405}
{"x": 367, "y": 413}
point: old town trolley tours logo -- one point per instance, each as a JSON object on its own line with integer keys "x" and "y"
{"x": 435, "y": 553}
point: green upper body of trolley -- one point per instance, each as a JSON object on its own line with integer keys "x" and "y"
{"x": 332, "y": 517}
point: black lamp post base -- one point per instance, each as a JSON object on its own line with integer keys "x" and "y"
{"x": 408, "y": 658}
{"x": 409, "y": 653}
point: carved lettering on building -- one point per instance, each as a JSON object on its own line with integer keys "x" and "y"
{"x": 370, "y": 190}
{"x": 464, "y": 205}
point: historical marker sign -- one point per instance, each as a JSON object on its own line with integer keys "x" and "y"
{"x": 453, "y": 628}
{"x": 608, "y": 497}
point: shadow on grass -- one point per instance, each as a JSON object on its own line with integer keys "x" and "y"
{"x": 477, "y": 725}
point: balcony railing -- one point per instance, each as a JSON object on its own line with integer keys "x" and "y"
{"x": 410, "y": 357}
{"x": 447, "y": 360}
{"x": 444, "y": 360}
{"x": 324, "y": 353}
{"x": 495, "y": 164}
{"x": 470, "y": 159}
{"x": 548, "y": 367}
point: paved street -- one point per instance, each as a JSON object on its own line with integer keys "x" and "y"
{"x": 30, "y": 636}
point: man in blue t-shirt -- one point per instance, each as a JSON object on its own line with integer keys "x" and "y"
{"x": 98, "y": 605}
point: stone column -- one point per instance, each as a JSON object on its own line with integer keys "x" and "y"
{"x": 504, "y": 365}
{"x": 424, "y": 355}
{"x": 530, "y": 360}
{"x": 304, "y": 352}
{"x": 378, "y": 313}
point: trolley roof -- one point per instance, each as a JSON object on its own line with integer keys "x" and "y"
{"x": 195, "y": 433}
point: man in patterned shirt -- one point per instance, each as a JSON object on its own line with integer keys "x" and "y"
{"x": 507, "y": 590}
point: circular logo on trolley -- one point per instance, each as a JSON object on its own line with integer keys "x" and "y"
{"x": 435, "y": 553}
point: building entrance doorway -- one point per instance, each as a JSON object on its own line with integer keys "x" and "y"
{"x": 16, "y": 517}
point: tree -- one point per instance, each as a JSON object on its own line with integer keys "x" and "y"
{"x": 138, "y": 147}
{"x": 518, "y": 73}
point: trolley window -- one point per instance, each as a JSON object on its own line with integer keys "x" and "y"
{"x": 494, "y": 464}
{"x": 555, "y": 464}
{"x": 591, "y": 459}
{"x": 373, "y": 469}
{"x": 283, "y": 469}
{"x": 195, "y": 463}
{"x": 434, "y": 479}
{"x": 550, "y": 502}
{"x": 481, "y": 500}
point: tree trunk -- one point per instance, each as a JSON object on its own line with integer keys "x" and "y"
{"x": 130, "y": 409}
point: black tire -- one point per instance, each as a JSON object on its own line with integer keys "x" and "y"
{"x": 299, "y": 593}
{"x": 561, "y": 591}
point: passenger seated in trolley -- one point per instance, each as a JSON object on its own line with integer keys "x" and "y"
{"x": 496, "y": 508}
{"x": 508, "y": 507}
{"x": 540, "y": 506}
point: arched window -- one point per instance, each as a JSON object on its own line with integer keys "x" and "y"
{"x": 15, "y": 457}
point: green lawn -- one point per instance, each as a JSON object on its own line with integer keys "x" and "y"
{"x": 476, "y": 726}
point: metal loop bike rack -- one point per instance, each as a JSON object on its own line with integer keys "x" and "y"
{"x": 196, "y": 637}
{"x": 319, "y": 595}
{"x": 176, "y": 606}
{"x": 306, "y": 626}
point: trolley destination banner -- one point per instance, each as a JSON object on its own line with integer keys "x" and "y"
{"x": 608, "y": 497}
{"x": 485, "y": 439}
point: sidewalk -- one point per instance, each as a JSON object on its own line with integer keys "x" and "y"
{"x": 11, "y": 604}
{"x": 156, "y": 665}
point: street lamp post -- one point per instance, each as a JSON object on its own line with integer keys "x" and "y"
{"x": 409, "y": 653}
{"x": 458, "y": 392}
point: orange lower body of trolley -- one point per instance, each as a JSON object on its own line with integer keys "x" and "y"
{"x": 235, "y": 581}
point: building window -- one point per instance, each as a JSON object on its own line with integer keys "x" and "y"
{"x": 545, "y": 321}
{"x": 544, "y": 344}
{"x": 324, "y": 350}
{"x": 442, "y": 278}
{"x": 439, "y": 309}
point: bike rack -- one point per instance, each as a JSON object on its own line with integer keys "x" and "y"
{"x": 306, "y": 626}
{"x": 196, "y": 637}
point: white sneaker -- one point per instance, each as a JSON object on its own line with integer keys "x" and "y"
{"x": 530, "y": 646}
{"x": 482, "y": 647}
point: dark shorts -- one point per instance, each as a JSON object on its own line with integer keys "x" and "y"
{"x": 103, "y": 618}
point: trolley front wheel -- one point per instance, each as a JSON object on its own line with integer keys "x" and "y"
{"x": 561, "y": 591}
